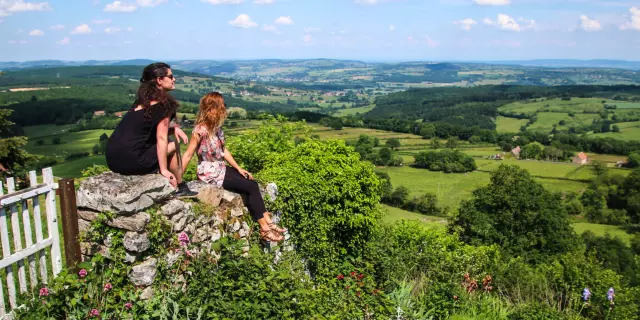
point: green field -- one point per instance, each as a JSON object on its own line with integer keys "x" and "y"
{"x": 504, "y": 124}
{"x": 602, "y": 229}
{"x": 72, "y": 169}
{"x": 353, "y": 111}
{"x": 628, "y": 131}
{"x": 71, "y": 142}
{"x": 393, "y": 214}
{"x": 46, "y": 130}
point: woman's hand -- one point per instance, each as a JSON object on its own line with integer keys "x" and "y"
{"x": 180, "y": 134}
{"x": 245, "y": 173}
{"x": 172, "y": 179}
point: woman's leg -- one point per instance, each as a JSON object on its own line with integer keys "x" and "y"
{"x": 173, "y": 158}
{"x": 235, "y": 182}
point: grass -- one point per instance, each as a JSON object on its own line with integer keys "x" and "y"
{"x": 47, "y": 130}
{"x": 72, "y": 169}
{"x": 353, "y": 111}
{"x": 628, "y": 131}
{"x": 394, "y": 214}
{"x": 504, "y": 124}
{"x": 626, "y": 105}
{"x": 602, "y": 229}
{"x": 82, "y": 141}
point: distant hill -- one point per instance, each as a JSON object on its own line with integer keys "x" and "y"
{"x": 572, "y": 63}
{"x": 134, "y": 62}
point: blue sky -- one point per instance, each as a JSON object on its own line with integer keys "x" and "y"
{"x": 372, "y": 30}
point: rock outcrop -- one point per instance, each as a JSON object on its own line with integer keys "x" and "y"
{"x": 127, "y": 200}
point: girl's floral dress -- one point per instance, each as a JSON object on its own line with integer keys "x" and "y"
{"x": 211, "y": 166}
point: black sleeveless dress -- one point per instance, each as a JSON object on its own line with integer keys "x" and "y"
{"x": 132, "y": 147}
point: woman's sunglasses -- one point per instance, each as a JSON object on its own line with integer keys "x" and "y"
{"x": 170, "y": 76}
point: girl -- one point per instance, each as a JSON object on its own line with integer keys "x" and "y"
{"x": 208, "y": 139}
{"x": 140, "y": 145}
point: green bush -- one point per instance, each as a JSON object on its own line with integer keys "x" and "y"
{"x": 253, "y": 150}
{"x": 329, "y": 199}
{"x": 445, "y": 160}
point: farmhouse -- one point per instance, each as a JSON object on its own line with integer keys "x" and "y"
{"x": 99, "y": 113}
{"x": 580, "y": 159}
{"x": 516, "y": 152}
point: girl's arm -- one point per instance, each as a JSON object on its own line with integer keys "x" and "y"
{"x": 162, "y": 140}
{"x": 191, "y": 148}
{"x": 229, "y": 157}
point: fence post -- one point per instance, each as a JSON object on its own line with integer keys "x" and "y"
{"x": 69, "y": 222}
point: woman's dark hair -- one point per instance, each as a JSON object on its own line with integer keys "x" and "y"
{"x": 149, "y": 91}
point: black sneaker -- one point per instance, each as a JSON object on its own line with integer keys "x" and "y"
{"x": 184, "y": 191}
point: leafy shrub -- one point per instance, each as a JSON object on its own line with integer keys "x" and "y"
{"x": 329, "y": 199}
{"x": 253, "y": 150}
{"x": 76, "y": 155}
{"x": 445, "y": 160}
{"x": 516, "y": 212}
{"x": 94, "y": 170}
{"x": 535, "y": 311}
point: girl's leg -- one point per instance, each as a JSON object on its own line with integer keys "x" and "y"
{"x": 235, "y": 182}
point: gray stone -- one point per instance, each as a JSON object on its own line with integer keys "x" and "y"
{"x": 271, "y": 192}
{"x": 172, "y": 207}
{"x": 216, "y": 235}
{"x": 91, "y": 249}
{"x": 172, "y": 257}
{"x": 136, "y": 242}
{"x": 108, "y": 241}
{"x": 208, "y": 193}
{"x": 201, "y": 234}
{"x": 244, "y": 230}
{"x": 130, "y": 257}
{"x": 135, "y": 222}
{"x": 87, "y": 215}
{"x": 144, "y": 273}
{"x": 83, "y": 225}
{"x": 147, "y": 293}
{"x": 112, "y": 192}
{"x": 232, "y": 199}
{"x": 236, "y": 212}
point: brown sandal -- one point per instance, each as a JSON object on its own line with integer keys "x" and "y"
{"x": 270, "y": 235}
{"x": 276, "y": 228}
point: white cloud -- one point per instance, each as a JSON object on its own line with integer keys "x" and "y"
{"x": 150, "y": 3}
{"x": 119, "y": 6}
{"x": 243, "y": 21}
{"x": 466, "y": 24}
{"x": 589, "y": 24}
{"x": 284, "y": 20}
{"x": 57, "y": 27}
{"x": 312, "y": 30}
{"x": 36, "y": 32}
{"x": 104, "y": 21}
{"x": 263, "y": 1}
{"x": 392, "y": 27}
{"x": 635, "y": 20}
{"x": 506, "y": 22}
{"x": 129, "y": 29}
{"x": 492, "y": 2}
{"x": 431, "y": 43}
{"x": 64, "y": 41}
{"x": 112, "y": 30}
{"x": 223, "y": 1}
{"x": 81, "y": 29}
{"x": 9, "y": 7}
{"x": 307, "y": 38}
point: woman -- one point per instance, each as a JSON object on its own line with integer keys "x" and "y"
{"x": 208, "y": 139}
{"x": 140, "y": 144}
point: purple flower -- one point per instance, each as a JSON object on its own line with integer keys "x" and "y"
{"x": 44, "y": 292}
{"x": 586, "y": 293}
{"x": 94, "y": 313}
{"x": 128, "y": 305}
{"x": 183, "y": 238}
{"x": 107, "y": 287}
{"x": 610, "y": 294}
{"x": 82, "y": 273}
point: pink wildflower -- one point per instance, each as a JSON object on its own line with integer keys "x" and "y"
{"x": 82, "y": 273}
{"x": 44, "y": 292}
{"x": 183, "y": 238}
{"x": 94, "y": 313}
{"x": 107, "y": 287}
{"x": 128, "y": 305}
{"x": 188, "y": 253}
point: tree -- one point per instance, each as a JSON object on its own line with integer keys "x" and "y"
{"x": 399, "y": 196}
{"x": 436, "y": 144}
{"x": 428, "y": 131}
{"x": 532, "y": 151}
{"x": 516, "y": 213}
{"x": 104, "y": 137}
{"x": 452, "y": 142}
{"x": 393, "y": 143}
{"x": 615, "y": 128}
{"x": 12, "y": 154}
{"x": 56, "y": 140}
{"x": 336, "y": 124}
{"x": 634, "y": 160}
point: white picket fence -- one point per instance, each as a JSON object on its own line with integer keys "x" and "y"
{"x": 17, "y": 259}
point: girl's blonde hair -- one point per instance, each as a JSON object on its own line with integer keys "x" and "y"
{"x": 212, "y": 112}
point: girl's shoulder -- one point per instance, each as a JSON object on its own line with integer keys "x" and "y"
{"x": 201, "y": 130}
